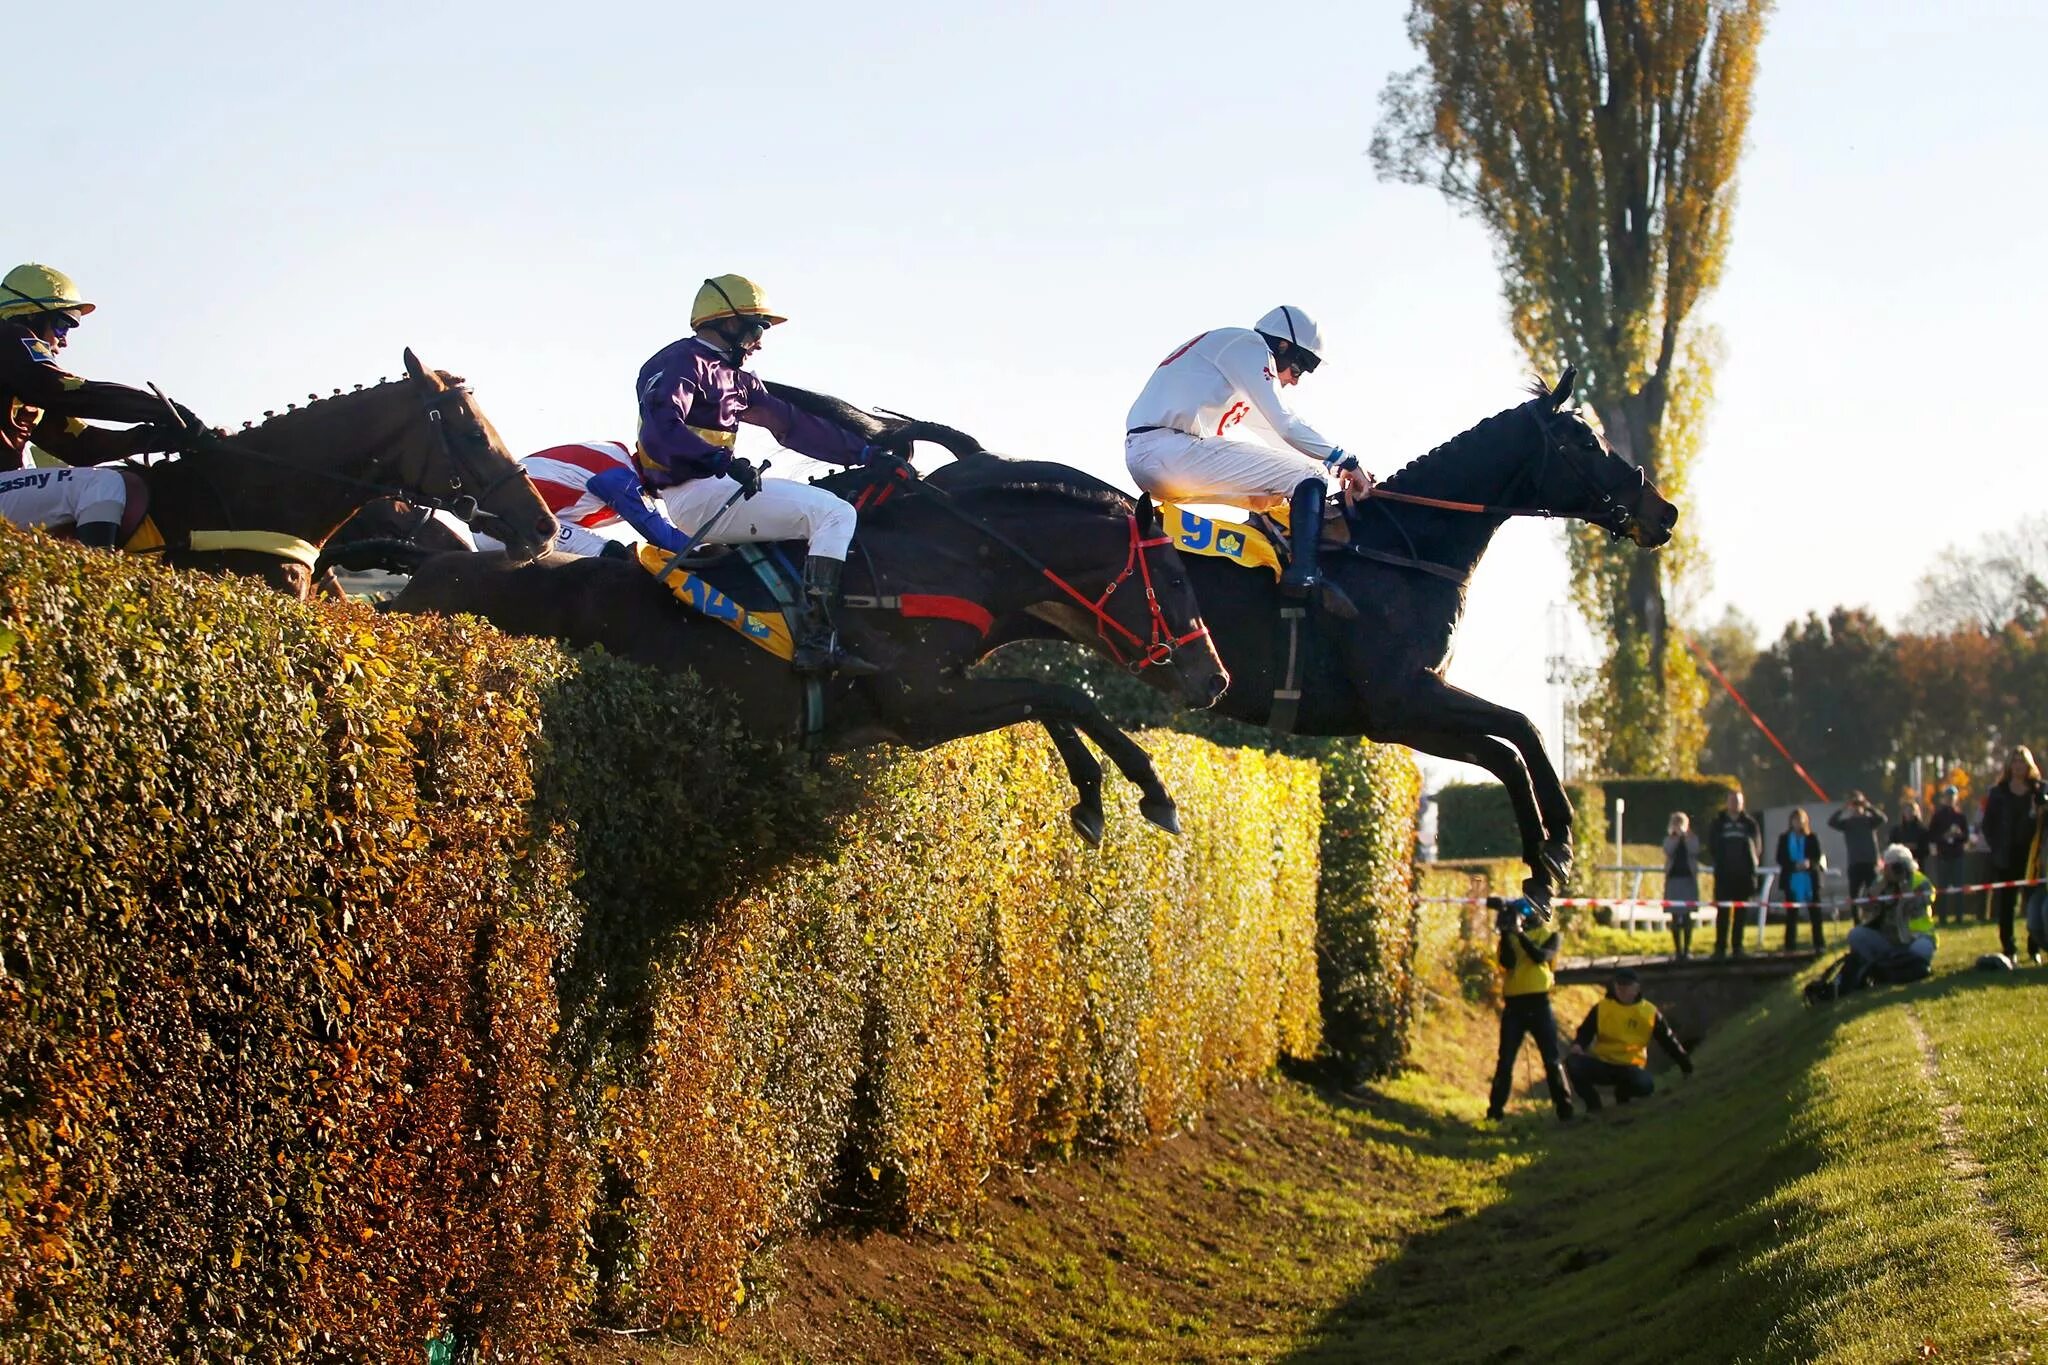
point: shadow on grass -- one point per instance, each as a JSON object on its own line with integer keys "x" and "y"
{"x": 1629, "y": 1233}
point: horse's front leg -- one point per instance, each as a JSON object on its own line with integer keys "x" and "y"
{"x": 1430, "y": 703}
{"x": 932, "y": 712}
{"x": 1504, "y": 763}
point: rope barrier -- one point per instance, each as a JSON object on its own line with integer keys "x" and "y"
{"x": 1651, "y": 902}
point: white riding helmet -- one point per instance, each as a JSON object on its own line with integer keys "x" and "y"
{"x": 1289, "y": 324}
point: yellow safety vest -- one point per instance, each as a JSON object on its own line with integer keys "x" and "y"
{"x": 1923, "y": 923}
{"x": 1624, "y": 1032}
{"x": 1530, "y": 977}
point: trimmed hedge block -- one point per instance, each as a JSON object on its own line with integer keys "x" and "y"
{"x": 363, "y": 979}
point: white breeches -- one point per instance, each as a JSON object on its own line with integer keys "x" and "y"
{"x": 570, "y": 539}
{"x": 1176, "y": 467}
{"x": 783, "y": 510}
{"x": 63, "y": 496}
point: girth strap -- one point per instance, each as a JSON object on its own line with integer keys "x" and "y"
{"x": 776, "y": 580}
{"x": 1442, "y": 571}
{"x": 1287, "y": 696}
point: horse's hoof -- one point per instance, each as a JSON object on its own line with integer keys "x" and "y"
{"x": 1537, "y": 890}
{"x": 1161, "y": 811}
{"x": 1087, "y": 822}
{"x": 1557, "y": 861}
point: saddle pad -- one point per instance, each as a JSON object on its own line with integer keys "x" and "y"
{"x": 768, "y": 629}
{"x": 1245, "y": 546}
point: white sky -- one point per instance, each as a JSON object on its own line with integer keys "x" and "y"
{"x": 1002, "y": 220}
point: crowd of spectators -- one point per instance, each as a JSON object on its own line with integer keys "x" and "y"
{"x": 2009, "y": 831}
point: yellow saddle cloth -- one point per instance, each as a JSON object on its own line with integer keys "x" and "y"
{"x": 1235, "y": 541}
{"x": 767, "y": 629}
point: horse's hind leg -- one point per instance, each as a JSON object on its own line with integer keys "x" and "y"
{"x": 1086, "y": 775}
{"x": 925, "y": 714}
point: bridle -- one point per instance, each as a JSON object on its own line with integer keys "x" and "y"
{"x": 1610, "y": 513}
{"x": 1159, "y": 649}
{"x": 462, "y": 458}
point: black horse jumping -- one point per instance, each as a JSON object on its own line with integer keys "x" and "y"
{"x": 1406, "y": 566}
{"x": 932, "y": 577}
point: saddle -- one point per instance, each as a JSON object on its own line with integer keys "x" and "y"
{"x": 753, "y": 589}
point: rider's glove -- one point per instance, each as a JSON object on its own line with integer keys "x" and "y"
{"x": 743, "y": 473}
{"x": 615, "y": 549}
{"x": 155, "y": 436}
{"x": 1341, "y": 463}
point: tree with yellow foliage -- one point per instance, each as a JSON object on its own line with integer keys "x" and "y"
{"x": 1597, "y": 141}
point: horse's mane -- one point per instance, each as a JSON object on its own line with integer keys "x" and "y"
{"x": 988, "y": 474}
{"x": 324, "y": 405}
{"x": 1445, "y": 470}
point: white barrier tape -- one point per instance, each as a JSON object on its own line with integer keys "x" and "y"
{"x": 1649, "y": 903}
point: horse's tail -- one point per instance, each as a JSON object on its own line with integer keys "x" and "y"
{"x": 375, "y": 552}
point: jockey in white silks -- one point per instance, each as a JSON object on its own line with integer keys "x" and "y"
{"x": 1176, "y": 448}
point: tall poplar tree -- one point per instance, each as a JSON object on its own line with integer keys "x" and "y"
{"x": 1597, "y": 141}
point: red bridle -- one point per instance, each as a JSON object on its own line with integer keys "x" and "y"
{"x": 1159, "y": 649}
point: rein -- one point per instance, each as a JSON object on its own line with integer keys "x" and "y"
{"x": 1146, "y": 653}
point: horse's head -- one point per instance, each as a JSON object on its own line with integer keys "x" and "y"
{"x": 1168, "y": 616}
{"x": 464, "y": 460}
{"x": 1578, "y": 475}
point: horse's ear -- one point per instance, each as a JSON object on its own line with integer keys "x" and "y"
{"x": 1563, "y": 388}
{"x": 1148, "y": 515}
{"x": 421, "y": 375}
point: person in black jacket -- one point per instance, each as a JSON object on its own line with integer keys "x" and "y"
{"x": 1861, "y": 825}
{"x": 1734, "y": 845}
{"x": 1801, "y": 866}
{"x": 2009, "y": 810}
{"x": 1912, "y": 833}
{"x": 1949, "y": 828}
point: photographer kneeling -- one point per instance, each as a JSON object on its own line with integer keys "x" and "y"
{"x": 1899, "y": 924}
{"x": 1612, "y": 1046}
{"x": 1528, "y": 953}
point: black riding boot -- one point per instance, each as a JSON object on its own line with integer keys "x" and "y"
{"x": 101, "y": 535}
{"x": 817, "y": 639}
{"x": 1305, "y": 538}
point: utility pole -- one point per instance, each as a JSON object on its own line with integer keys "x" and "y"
{"x": 1559, "y": 674}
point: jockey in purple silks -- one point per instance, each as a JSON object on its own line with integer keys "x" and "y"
{"x": 693, "y": 395}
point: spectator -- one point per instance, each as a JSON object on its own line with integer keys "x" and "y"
{"x": 1527, "y": 953}
{"x": 2009, "y": 812}
{"x": 1899, "y": 917}
{"x": 1681, "y": 880}
{"x": 1950, "y": 830}
{"x": 1860, "y": 823}
{"x": 1800, "y": 865}
{"x": 1913, "y": 832}
{"x": 1612, "y": 1046}
{"x": 1736, "y": 843}
{"x": 2036, "y": 896}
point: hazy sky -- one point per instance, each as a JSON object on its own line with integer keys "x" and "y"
{"x": 1003, "y": 220}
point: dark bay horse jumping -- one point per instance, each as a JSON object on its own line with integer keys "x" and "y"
{"x": 1046, "y": 535}
{"x": 1407, "y": 568}
{"x": 296, "y": 477}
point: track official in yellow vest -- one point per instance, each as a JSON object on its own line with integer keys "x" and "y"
{"x": 1612, "y": 1046}
{"x": 1528, "y": 954}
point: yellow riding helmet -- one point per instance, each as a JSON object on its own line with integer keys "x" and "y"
{"x": 731, "y": 296}
{"x": 30, "y": 289}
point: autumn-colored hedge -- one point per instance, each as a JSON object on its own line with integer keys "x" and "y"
{"x": 368, "y": 979}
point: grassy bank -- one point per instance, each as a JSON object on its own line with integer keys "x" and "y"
{"x": 1860, "y": 1183}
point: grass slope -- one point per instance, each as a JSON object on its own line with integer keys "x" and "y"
{"x": 1799, "y": 1199}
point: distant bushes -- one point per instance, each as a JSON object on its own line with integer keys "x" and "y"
{"x": 1651, "y": 800}
{"x": 366, "y": 979}
{"x": 1476, "y": 820}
